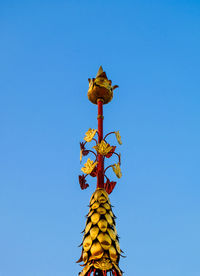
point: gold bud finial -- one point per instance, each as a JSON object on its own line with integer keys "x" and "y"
{"x": 100, "y": 88}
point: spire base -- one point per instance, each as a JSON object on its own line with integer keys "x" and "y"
{"x": 101, "y": 250}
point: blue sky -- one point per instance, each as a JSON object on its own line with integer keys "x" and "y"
{"x": 48, "y": 50}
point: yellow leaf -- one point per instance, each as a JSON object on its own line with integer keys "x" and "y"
{"x": 103, "y": 148}
{"x": 89, "y": 166}
{"x": 90, "y": 134}
{"x": 117, "y": 170}
{"x": 81, "y": 155}
{"x": 118, "y": 137}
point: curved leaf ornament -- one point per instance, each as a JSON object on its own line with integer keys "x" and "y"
{"x": 82, "y": 182}
{"x": 89, "y": 166}
{"x": 103, "y": 148}
{"x": 111, "y": 152}
{"x": 89, "y": 135}
{"x": 81, "y": 155}
{"x": 118, "y": 137}
{"x": 117, "y": 170}
{"x": 109, "y": 186}
{"x": 83, "y": 151}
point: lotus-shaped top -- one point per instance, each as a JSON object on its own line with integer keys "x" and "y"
{"x": 100, "y": 88}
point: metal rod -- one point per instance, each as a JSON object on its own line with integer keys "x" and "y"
{"x": 100, "y": 165}
{"x": 108, "y": 134}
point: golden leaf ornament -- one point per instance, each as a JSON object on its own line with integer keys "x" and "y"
{"x": 81, "y": 155}
{"x": 89, "y": 166}
{"x": 117, "y": 170}
{"x": 103, "y": 148}
{"x": 118, "y": 137}
{"x": 89, "y": 135}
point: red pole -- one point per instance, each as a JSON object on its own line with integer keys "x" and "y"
{"x": 100, "y": 166}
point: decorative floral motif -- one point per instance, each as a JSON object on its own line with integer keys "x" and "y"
{"x": 89, "y": 166}
{"x": 109, "y": 186}
{"x": 100, "y": 87}
{"x": 89, "y": 135}
{"x": 82, "y": 182}
{"x": 111, "y": 152}
{"x": 103, "y": 264}
{"x": 118, "y": 136}
{"x": 103, "y": 148}
{"x": 117, "y": 170}
{"x": 83, "y": 151}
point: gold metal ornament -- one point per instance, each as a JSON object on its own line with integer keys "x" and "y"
{"x": 100, "y": 88}
{"x": 106, "y": 206}
{"x": 115, "y": 230}
{"x": 92, "y": 200}
{"x": 81, "y": 155}
{"x": 112, "y": 234}
{"x": 87, "y": 243}
{"x": 95, "y": 218}
{"x": 90, "y": 213}
{"x": 118, "y": 137}
{"x": 98, "y": 193}
{"x": 103, "y": 148}
{"x": 95, "y": 205}
{"x": 85, "y": 257}
{"x": 117, "y": 170}
{"x": 117, "y": 246}
{"x": 89, "y": 166}
{"x": 100, "y": 244}
{"x": 109, "y": 219}
{"x": 117, "y": 268}
{"x": 101, "y": 211}
{"x": 113, "y": 253}
{"x": 103, "y": 224}
{"x": 104, "y": 264}
{"x": 89, "y": 135}
{"x": 94, "y": 231}
{"x": 111, "y": 213}
{"x": 86, "y": 269}
{"x": 102, "y": 199}
{"x": 87, "y": 228}
{"x": 96, "y": 251}
{"x": 104, "y": 240}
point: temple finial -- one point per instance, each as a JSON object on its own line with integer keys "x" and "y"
{"x": 100, "y": 88}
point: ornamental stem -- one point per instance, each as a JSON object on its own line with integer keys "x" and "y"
{"x": 100, "y": 165}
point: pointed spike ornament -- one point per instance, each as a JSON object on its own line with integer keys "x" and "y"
{"x": 100, "y": 71}
{"x": 100, "y": 247}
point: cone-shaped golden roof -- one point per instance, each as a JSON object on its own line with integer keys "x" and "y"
{"x": 101, "y": 248}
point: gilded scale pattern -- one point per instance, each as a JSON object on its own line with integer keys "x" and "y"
{"x": 101, "y": 248}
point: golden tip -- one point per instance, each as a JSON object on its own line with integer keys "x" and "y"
{"x": 100, "y": 71}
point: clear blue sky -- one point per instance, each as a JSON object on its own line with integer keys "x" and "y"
{"x": 48, "y": 49}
